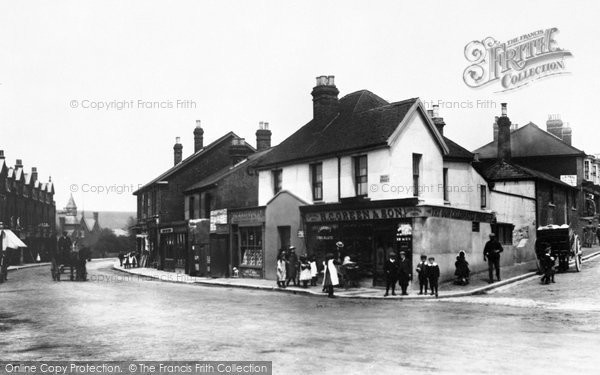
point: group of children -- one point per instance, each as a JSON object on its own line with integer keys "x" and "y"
{"x": 288, "y": 265}
{"x": 429, "y": 274}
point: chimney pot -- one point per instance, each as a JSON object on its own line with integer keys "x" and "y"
{"x": 430, "y": 113}
{"x": 1, "y": 154}
{"x": 19, "y": 163}
{"x": 325, "y": 100}
{"x": 198, "y": 137}
{"x": 504, "y": 110}
{"x": 177, "y": 151}
{"x": 436, "y": 110}
{"x": 263, "y": 136}
{"x": 504, "y": 146}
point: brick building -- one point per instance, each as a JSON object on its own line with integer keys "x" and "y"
{"x": 27, "y": 208}
{"x": 549, "y": 154}
{"x": 162, "y": 227}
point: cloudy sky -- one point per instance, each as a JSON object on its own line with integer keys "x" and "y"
{"x": 241, "y": 62}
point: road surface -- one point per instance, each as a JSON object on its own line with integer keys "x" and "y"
{"x": 527, "y": 328}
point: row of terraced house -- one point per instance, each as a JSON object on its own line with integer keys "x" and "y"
{"x": 378, "y": 176}
{"x": 27, "y": 208}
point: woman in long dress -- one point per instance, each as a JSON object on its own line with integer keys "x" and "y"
{"x": 330, "y": 278}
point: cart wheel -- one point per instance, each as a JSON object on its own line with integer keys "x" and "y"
{"x": 577, "y": 253}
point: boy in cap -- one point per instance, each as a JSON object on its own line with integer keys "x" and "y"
{"x": 433, "y": 275}
{"x": 390, "y": 268}
{"x": 422, "y": 272}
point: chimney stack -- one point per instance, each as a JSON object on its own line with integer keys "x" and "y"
{"x": 19, "y": 164}
{"x": 34, "y": 174}
{"x": 554, "y": 126}
{"x": 437, "y": 120}
{"x": 263, "y": 136}
{"x": 567, "y": 134}
{"x": 325, "y": 100}
{"x": 1, "y": 154}
{"x": 504, "y": 149}
{"x": 198, "y": 137}
{"x": 96, "y": 217}
{"x": 177, "y": 151}
{"x": 495, "y": 129}
{"x": 238, "y": 150}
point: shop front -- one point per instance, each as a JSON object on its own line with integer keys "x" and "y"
{"x": 174, "y": 248}
{"x": 247, "y": 242}
{"x": 371, "y": 230}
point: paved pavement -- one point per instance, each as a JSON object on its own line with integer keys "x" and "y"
{"x": 479, "y": 282}
{"x": 127, "y": 317}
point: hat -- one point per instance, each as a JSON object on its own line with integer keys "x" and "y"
{"x": 339, "y": 244}
{"x": 292, "y": 247}
{"x": 492, "y": 234}
{"x": 403, "y": 253}
{"x": 392, "y": 254}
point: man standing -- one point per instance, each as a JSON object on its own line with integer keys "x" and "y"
{"x": 391, "y": 274}
{"x": 292, "y": 270}
{"x": 404, "y": 272}
{"x": 491, "y": 254}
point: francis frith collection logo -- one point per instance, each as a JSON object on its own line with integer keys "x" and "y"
{"x": 515, "y": 63}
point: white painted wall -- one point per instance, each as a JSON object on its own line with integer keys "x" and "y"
{"x": 394, "y": 162}
{"x": 464, "y": 186}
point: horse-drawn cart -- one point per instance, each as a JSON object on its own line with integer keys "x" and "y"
{"x": 564, "y": 243}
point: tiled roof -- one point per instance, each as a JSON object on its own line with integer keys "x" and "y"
{"x": 364, "y": 121}
{"x": 528, "y": 141}
{"x": 500, "y": 170}
{"x": 189, "y": 159}
{"x": 218, "y": 176}
{"x": 457, "y": 152}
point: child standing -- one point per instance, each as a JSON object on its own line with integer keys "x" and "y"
{"x": 548, "y": 266}
{"x": 313, "y": 271}
{"x": 422, "y": 272}
{"x": 433, "y": 275}
{"x": 305, "y": 274}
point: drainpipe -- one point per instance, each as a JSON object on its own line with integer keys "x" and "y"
{"x": 339, "y": 182}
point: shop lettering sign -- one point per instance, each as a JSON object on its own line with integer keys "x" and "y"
{"x": 254, "y": 215}
{"x": 367, "y": 214}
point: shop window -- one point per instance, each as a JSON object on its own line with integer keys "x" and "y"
{"x": 475, "y": 226}
{"x": 416, "y": 167}
{"x": 445, "y": 182}
{"x": 504, "y": 233}
{"x": 483, "y": 196}
{"x": 360, "y": 175}
{"x": 316, "y": 173}
{"x": 276, "y": 181}
{"x": 251, "y": 246}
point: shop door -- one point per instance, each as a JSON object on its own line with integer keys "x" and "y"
{"x": 218, "y": 256}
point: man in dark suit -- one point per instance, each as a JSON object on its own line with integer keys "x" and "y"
{"x": 491, "y": 254}
{"x": 390, "y": 268}
{"x": 404, "y": 272}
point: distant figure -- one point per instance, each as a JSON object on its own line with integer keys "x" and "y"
{"x": 127, "y": 261}
{"x": 121, "y": 257}
{"x": 433, "y": 275}
{"x": 281, "y": 270}
{"x": 330, "y": 278}
{"x": 547, "y": 263}
{"x": 422, "y": 272}
{"x": 491, "y": 254}
{"x": 390, "y": 268}
{"x": 462, "y": 271}
{"x": 404, "y": 272}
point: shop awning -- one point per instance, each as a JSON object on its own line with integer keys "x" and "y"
{"x": 10, "y": 240}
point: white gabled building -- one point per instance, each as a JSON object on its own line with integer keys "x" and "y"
{"x": 378, "y": 176}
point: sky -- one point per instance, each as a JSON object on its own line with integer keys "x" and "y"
{"x": 232, "y": 64}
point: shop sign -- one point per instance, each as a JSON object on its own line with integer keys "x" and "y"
{"x": 217, "y": 217}
{"x": 251, "y": 215}
{"x": 166, "y": 230}
{"x": 396, "y": 213}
